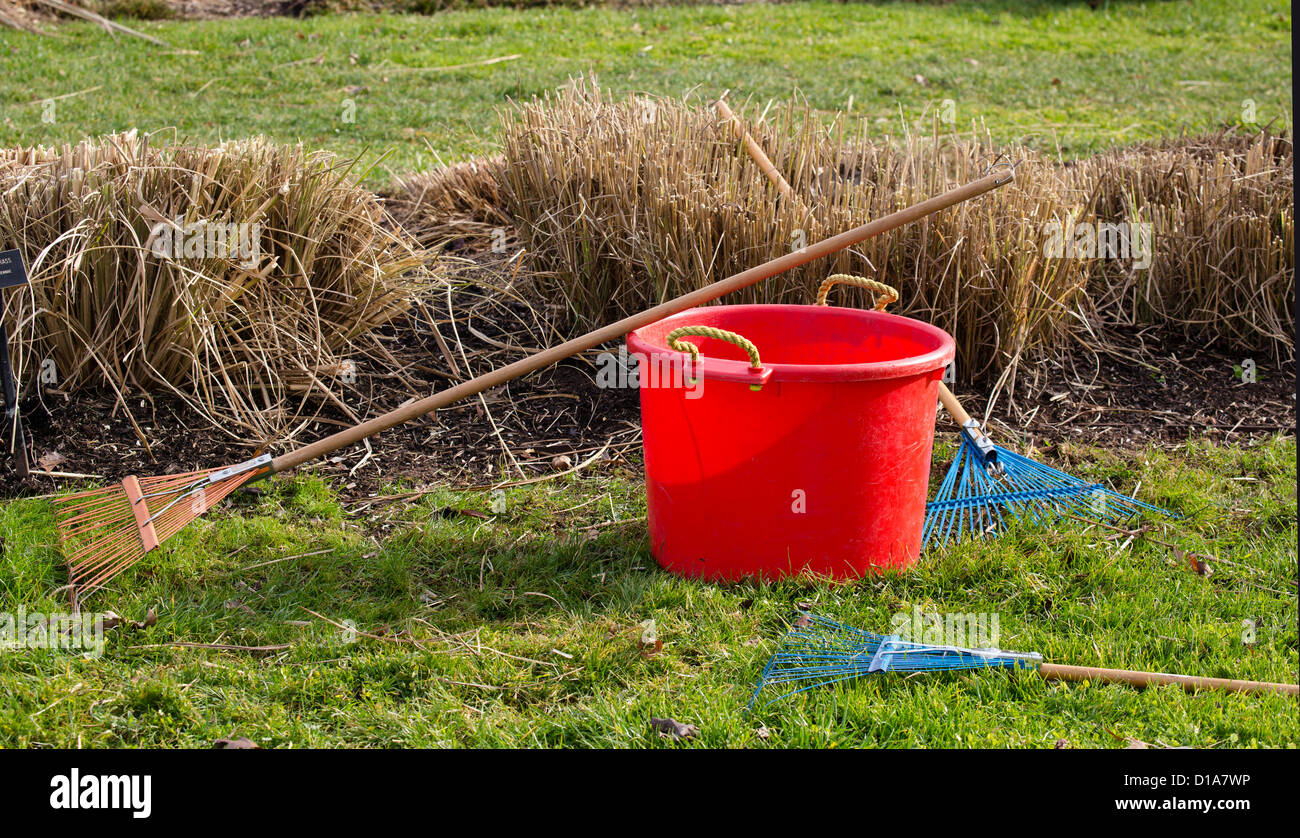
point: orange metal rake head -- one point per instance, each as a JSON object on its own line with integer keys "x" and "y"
{"x": 105, "y": 531}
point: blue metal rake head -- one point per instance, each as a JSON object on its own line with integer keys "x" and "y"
{"x": 818, "y": 652}
{"x": 987, "y": 486}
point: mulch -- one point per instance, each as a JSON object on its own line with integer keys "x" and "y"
{"x": 557, "y": 418}
{"x": 1170, "y": 391}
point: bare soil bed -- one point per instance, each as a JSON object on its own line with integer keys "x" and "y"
{"x": 558, "y": 418}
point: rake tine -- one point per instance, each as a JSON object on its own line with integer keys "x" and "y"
{"x": 969, "y": 503}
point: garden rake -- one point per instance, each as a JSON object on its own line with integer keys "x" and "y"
{"x": 818, "y": 652}
{"x": 987, "y": 486}
{"x": 106, "y": 530}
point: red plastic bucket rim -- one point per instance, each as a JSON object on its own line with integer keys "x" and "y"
{"x": 649, "y": 339}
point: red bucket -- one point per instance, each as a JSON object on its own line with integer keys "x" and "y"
{"x": 824, "y": 468}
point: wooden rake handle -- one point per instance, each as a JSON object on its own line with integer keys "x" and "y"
{"x": 1191, "y": 683}
{"x": 617, "y": 330}
{"x": 950, "y": 404}
{"x": 755, "y": 150}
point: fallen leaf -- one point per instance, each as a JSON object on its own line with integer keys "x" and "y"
{"x": 763, "y": 733}
{"x": 1061, "y": 744}
{"x": 562, "y": 462}
{"x": 803, "y": 621}
{"x": 50, "y": 459}
{"x": 110, "y": 620}
{"x": 674, "y": 728}
{"x": 240, "y": 744}
{"x": 1196, "y": 560}
{"x": 232, "y": 604}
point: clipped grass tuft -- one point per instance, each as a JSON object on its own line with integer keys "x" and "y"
{"x": 628, "y": 202}
{"x": 245, "y": 278}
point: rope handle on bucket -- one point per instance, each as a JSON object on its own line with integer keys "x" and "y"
{"x": 718, "y": 334}
{"x": 886, "y": 294}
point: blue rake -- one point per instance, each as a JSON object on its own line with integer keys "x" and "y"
{"x": 818, "y": 652}
{"x": 822, "y": 652}
{"x": 987, "y": 486}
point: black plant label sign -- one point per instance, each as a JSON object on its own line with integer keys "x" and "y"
{"x": 12, "y": 270}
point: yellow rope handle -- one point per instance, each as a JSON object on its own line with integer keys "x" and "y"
{"x": 886, "y": 293}
{"x": 709, "y": 332}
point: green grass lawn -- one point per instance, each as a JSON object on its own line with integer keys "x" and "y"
{"x": 1055, "y": 75}
{"x": 529, "y": 626}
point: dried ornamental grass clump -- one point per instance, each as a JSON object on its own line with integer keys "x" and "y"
{"x": 245, "y": 278}
{"x": 624, "y": 203}
{"x": 1222, "y": 216}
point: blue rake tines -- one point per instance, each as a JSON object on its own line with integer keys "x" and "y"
{"x": 972, "y": 503}
{"x": 822, "y": 652}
